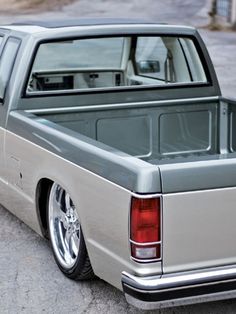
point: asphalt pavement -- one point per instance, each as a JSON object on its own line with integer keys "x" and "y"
{"x": 30, "y": 281}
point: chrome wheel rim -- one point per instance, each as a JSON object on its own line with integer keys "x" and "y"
{"x": 64, "y": 227}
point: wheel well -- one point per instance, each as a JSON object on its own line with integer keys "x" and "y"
{"x": 42, "y": 194}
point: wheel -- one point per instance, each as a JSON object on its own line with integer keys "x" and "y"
{"x": 66, "y": 235}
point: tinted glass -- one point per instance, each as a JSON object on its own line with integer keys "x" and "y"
{"x": 6, "y": 62}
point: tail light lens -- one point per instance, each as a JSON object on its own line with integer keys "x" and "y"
{"x": 145, "y": 228}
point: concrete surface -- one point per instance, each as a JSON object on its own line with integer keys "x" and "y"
{"x": 30, "y": 281}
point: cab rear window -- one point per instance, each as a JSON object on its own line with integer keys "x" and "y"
{"x": 114, "y": 62}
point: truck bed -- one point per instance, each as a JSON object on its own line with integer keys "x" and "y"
{"x": 196, "y": 164}
{"x": 192, "y": 141}
{"x": 183, "y": 138}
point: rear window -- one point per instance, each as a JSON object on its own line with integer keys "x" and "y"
{"x": 113, "y": 62}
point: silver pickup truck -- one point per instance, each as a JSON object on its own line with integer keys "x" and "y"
{"x": 115, "y": 143}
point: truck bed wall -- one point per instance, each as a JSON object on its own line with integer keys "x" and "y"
{"x": 149, "y": 133}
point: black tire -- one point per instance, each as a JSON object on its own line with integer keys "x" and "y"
{"x": 66, "y": 236}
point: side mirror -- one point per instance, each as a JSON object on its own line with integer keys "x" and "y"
{"x": 148, "y": 66}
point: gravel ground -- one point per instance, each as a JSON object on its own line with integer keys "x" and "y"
{"x": 14, "y": 7}
{"x": 30, "y": 282}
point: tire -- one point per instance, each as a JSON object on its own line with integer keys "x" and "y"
{"x": 66, "y": 235}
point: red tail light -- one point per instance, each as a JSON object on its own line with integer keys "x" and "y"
{"x": 145, "y": 228}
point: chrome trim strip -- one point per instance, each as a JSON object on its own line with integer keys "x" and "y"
{"x": 145, "y": 244}
{"x": 143, "y": 261}
{"x": 177, "y": 280}
{"x": 122, "y": 105}
{"x": 146, "y": 196}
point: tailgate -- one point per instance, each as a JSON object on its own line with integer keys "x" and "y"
{"x": 199, "y": 214}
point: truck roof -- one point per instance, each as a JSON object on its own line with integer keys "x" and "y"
{"x": 36, "y": 26}
{"x": 84, "y": 22}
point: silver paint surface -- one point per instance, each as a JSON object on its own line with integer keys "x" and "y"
{"x": 108, "y": 206}
{"x": 199, "y": 229}
{"x": 109, "y": 201}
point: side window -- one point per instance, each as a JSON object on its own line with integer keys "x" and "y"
{"x": 1, "y": 39}
{"x": 151, "y": 55}
{"x": 168, "y": 60}
{"x": 6, "y": 63}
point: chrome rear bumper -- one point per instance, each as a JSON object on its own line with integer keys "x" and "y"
{"x": 178, "y": 289}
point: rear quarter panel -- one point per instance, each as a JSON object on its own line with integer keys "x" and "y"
{"x": 103, "y": 206}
